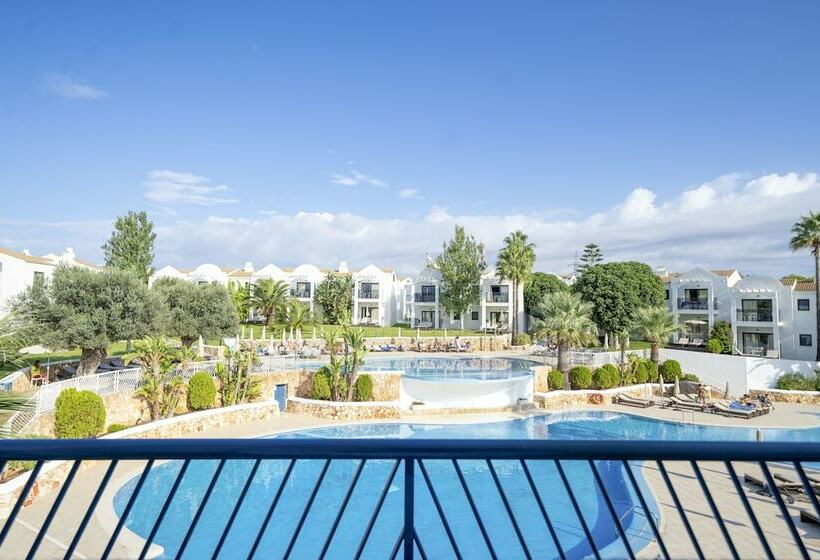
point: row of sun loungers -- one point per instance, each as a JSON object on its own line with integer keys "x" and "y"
{"x": 695, "y": 342}
{"x": 633, "y": 401}
{"x": 690, "y": 402}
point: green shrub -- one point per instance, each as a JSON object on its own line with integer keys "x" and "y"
{"x": 116, "y": 428}
{"x": 201, "y": 391}
{"x": 714, "y": 345}
{"x": 363, "y": 390}
{"x": 15, "y": 466}
{"x": 797, "y": 382}
{"x": 652, "y": 369}
{"x": 321, "y": 385}
{"x": 722, "y": 331}
{"x": 521, "y": 339}
{"x": 78, "y": 414}
{"x": 641, "y": 372}
{"x": 580, "y": 377}
{"x": 555, "y": 379}
{"x": 690, "y": 377}
{"x": 670, "y": 369}
{"x": 606, "y": 377}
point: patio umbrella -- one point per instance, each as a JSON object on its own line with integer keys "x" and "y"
{"x": 243, "y": 332}
{"x": 298, "y": 334}
{"x": 726, "y": 392}
{"x": 200, "y": 347}
{"x": 314, "y": 331}
{"x": 263, "y": 337}
{"x": 676, "y": 390}
{"x": 283, "y": 335}
{"x": 660, "y": 383}
{"x": 271, "y": 349}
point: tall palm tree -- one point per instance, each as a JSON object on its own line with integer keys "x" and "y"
{"x": 297, "y": 315}
{"x": 656, "y": 324}
{"x": 567, "y": 321}
{"x": 15, "y": 334}
{"x": 806, "y": 235}
{"x": 515, "y": 262}
{"x": 355, "y": 351}
{"x": 270, "y": 297}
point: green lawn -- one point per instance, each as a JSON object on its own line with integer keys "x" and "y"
{"x": 116, "y": 349}
{"x": 369, "y": 331}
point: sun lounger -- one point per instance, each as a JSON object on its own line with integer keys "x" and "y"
{"x": 725, "y": 409}
{"x": 808, "y": 517}
{"x": 697, "y": 342}
{"x": 797, "y": 485}
{"x": 683, "y": 341}
{"x": 632, "y": 401}
{"x": 788, "y": 492}
{"x": 686, "y": 404}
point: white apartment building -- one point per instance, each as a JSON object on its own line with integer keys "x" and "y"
{"x": 768, "y": 317}
{"x": 379, "y": 297}
{"x": 19, "y": 270}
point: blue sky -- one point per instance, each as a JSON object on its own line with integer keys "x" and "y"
{"x": 363, "y": 131}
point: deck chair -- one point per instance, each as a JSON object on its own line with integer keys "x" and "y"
{"x": 797, "y": 485}
{"x": 808, "y": 517}
{"x": 697, "y": 342}
{"x": 685, "y": 404}
{"x": 633, "y": 401}
{"x": 763, "y": 488}
{"x": 683, "y": 341}
{"x": 724, "y": 409}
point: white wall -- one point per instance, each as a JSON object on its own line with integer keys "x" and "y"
{"x": 466, "y": 394}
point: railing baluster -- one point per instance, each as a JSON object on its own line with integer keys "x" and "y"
{"x": 611, "y": 508}
{"x": 749, "y": 511}
{"x": 19, "y": 503}
{"x": 236, "y": 508}
{"x": 418, "y": 545}
{"x": 376, "y": 511}
{"x": 681, "y": 511}
{"x": 200, "y": 509}
{"x": 509, "y": 510}
{"x": 164, "y": 509}
{"x": 342, "y": 509}
{"x": 124, "y": 517}
{"x": 474, "y": 509}
{"x": 272, "y": 507}
{"x": 53, "y": 511}
{"x": 439, "y": 509}
{"x": 646, "y": 509}
{"x": 306, "y": 509}
{"x": 543, "y": 509}
{"x": 90, "y": 509}
{"x": 715, "y": 512}
{"x": 399, "y": 540}
{"x": 775, "y": 492}
{"x": 409, "y": 505}
{"x": 577, "y": 509}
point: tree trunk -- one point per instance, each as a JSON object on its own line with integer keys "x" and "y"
{"x": 654, "y": 354}
{"x": 514, "y": 321}
{"x": 270, "y": 320}
{"x": 622, "y": 339}
{"x": 563, "y": 362}
{"x": 90, "y": 360}
{"x": 816, "y": 300}
{"x": 187, "y": 342}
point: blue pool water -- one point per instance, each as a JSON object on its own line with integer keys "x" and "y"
{"x": 561, "y": 426}
{"x": 468, "y": 368}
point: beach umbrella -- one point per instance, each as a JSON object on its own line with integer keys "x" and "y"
{"x": 445, "y": 334}
{"x": 263, "y": 337}
{"x": 283, "y": 335}
{"x": 676, "y": 390}
{"x": 298, "y": 334}
{"x": 660, "y": 383}
{"x": 251, "y": 335}
{"x": 726, "y": 392}
{"x": 418, "y": 332}
{"x": 314, "y": 331}
{"x": 200, "y": 347}
{"x": 271, "y": 349}
{"x": 291, "y": 333}
{"x": 399, "y": 332}
{"x": 243, "y": 332}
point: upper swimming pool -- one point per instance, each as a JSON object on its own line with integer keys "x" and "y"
{"x": 576, "y": 425}
{"x": 467, "y": 368}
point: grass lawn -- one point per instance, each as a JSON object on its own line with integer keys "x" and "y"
{"x": 116, "y": 349}
{"x": 369, "y": 331}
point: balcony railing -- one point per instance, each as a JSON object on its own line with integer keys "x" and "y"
{"x": 300, "y": 294}
{"x": 425, "y": 298}
{"x": 498, "y": 298}
{"x": 417, "y": 498}
{"x": 372, "y": 293}
{"x": 684, "y": 303}
{"x": 754, "y": 316}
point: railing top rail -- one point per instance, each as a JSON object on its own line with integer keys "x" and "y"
{"x": 201, "y": 449}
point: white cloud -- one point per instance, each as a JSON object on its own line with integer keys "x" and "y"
{"x": 172, "y": 187}
{"x": 782, "y": 185}
{"x": 639, "y": 204}
{"x": 699, "y": 198}
{"x": 354, "y": 178}
{"x": 72, "y": 88}
{"x": 408, "y": 193}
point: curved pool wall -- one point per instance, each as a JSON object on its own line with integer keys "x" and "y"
{"x": 459, "y": 393}
{"x": 559, "y": 426}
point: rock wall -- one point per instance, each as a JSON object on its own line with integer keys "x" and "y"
{"x": 563, "y": 400}
{"x": 344, "y": 410}
{"x": 541, "y": 383}
{"x": 780, "y": 395}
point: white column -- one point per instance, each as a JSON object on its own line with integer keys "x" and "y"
{"x": 437, "y": 317}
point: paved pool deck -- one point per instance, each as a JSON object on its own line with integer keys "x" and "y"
{"x": 696, "y": 507}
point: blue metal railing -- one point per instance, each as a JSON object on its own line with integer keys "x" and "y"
{"x": 411, "y": 462}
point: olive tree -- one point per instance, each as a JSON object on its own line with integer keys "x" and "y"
{"x": 195, "y": 310}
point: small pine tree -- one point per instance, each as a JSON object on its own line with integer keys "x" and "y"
{"x": 591, "y": 256}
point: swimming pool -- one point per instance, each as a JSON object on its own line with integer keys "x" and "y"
{"x": 561, "y": 426}
{"x": 472, "y": 368}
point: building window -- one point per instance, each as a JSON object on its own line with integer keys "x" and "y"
{"x": 667, "y": 294}
{"x": 805, "y": 340}
{"x": 427, "y": 317}
{"x": 456, "y": 316}
{"x": 802, "y": 305}
{"x": 474, "y": 315}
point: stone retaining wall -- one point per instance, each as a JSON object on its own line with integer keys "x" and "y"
{"x": 564, "y": 400}
{"x": 781, "y": 395}
{"x": 53, "y": 473}
{"x": 541, "y": 383}
{"x": 344, "y": 410}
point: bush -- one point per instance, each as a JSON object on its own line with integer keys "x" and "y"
{"x": 15, "y": 467}
{"x": 555, "y": 379}
{"x": 363, "y": 390}
{"x": 722, "y": 331}
{"x": 321, "y": 385}
{"x": 652, "y": 369}
{"x": 690, "y": 377}
{"x": 641, "y": 372}
{"x": 201, "y": 391}
{"x": 797, "y": 382}
{"x": 115, "y": 428}
{"x": 670, "y": 369}
{"x": 714, "y": 346}
{"x": 78, "y": 414}
{"x": 606, "y": 377}
{"x": 580, "y": 377}
{"x": 521, "y": 339}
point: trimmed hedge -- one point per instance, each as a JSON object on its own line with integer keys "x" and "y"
{"x": 115, "y": 428}
{"x": 201, "y": 391}
{"x": 797, "y": 382}
{"x": 714, "y": 346}
{"x": 641, "y": 372}
{"x": 606, "y": 377}
{"x": 652, "y": 368}
{"x": 321, "y": 385}
{"x": 521, "y": 339}
{"x": 670, "y": 369}
{"x": 555, "y": 379}
{"x": 78, "y": 414}
{"x": 363, "y": 390}
{"x": 580, "y": 377}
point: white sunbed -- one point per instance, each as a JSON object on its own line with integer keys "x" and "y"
{"x": 697, "y": 342}
{"x": 683, "y": 341}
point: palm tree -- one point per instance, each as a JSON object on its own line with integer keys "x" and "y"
{"x": 270, "y": 297}
{"x": 568, "y": 322}
{"x": 656, "y": 324}
{"x": 241, "y": 297}
{"x": 15, "y": 334}
{"x": 806, "y": 235}
{"x": 331, "y": 336}
{"x": 355, "y": 352}
{"x": 297, "y": 315}
{"x": 515, "y": 262}
{"x": 161, "y": 388}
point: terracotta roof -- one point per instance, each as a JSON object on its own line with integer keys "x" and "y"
{"x": 23, "y": 257}
{"x": 725, "y": 272}
{"x": 85, "y": 263}
{"x": 669, "y": 277}
{"x": 240, "y": 274}
{"x": 804, "y": 286}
